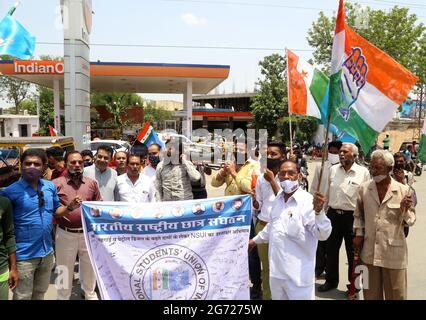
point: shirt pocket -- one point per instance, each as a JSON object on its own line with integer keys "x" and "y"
{"x": 350, "y": 189}
{"x": 48, "y": 202}
{"x": 396, "y": 249}
{"x": 394, "y": 212}
{"x": 295, "y": 228}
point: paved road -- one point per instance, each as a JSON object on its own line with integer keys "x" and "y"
{"x": 416, "y": 241}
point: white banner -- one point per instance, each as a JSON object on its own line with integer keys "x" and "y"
{"x": 186, "y": 250}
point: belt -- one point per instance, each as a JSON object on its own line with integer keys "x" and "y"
{"x": 338, "y": 211}
{"x": 72, "y": 230}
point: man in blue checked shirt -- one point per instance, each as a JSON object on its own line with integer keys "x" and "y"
{"x": 35, "y": 202}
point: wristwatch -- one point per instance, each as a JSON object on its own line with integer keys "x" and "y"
{"x": 69, "y": 209}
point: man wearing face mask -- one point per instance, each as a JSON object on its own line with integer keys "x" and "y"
{"x": 399, "y": 173}
{"x": 332, "y": 159}
{"x": 69, "y": 236}
{"x": 174, "y": 174}
{"x": 344, "y": 182}
{"x": 102, "y": 174}
{"x": 154, "y": 151}
{"x": 35, "y": 201}
{"x": 87, "y": 157}
{"x": 383, "y": 207}
{"x": 238, "y": 175}
{"x": 267, "y": 187}
{"x": 297, "y": 222}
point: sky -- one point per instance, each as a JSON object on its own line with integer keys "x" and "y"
{"x": 249, "y": 24}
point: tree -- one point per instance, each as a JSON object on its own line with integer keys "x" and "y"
{"x": 152, "y": 113}
{"x": 396, "y": 32}
{"x": 47, "y": 113}
{"x": 304, "y": 128}
{"x": 117, "y": 104}
{"x": 270, "y": 102}
{"x": 13, "y": 90}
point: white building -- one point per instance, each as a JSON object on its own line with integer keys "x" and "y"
{"x": 12, "y": 125}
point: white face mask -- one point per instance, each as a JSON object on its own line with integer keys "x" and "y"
{"x": 380, "y": 178}
{"x": 289, "y": 186}
{"x": 333, "y": 158}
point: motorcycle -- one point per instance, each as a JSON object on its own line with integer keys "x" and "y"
{"x": 418, "y": 169}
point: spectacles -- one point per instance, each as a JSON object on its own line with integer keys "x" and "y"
{"x": 40, "y": 198}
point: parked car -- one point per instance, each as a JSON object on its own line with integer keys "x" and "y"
{"x": 205, "y": 151}
{"x": 116, "y": 145}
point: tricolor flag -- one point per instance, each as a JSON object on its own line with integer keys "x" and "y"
{"x": 308, "y": 92}
{"x": 148, "y": 136}
{"x": 366, "y": 85}
{"x": 15, "y": 40}
{"x": 421, "y": 152}
{"x": 53, "y": 131}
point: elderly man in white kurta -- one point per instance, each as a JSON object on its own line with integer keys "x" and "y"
{"x": 297, "y": 223}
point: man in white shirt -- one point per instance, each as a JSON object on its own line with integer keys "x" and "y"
{"x": 344, "y": 182}
{"x": 267, "y": 187}
{"x": 154, "y": 151}
{"x": 134, "y": 186}
{"x": 297, "y": 223}
{"x": 102, "y": 174}
{"x": 332, "y": 159}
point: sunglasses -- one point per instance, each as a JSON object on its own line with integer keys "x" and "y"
{"x": 40, "y": 198}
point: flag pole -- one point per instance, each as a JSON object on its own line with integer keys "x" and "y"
{"x": 289, "y": 113}
{"x": 12, "y": 10}
{"x": 291, "y": 134}
{"x": 324, "y": 150}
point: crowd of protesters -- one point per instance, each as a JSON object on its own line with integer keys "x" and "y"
{"x": 295, "y": 235}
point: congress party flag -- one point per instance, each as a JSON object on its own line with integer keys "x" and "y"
{"x": 15, "y": 40}
{"x": 184, "y": 250}
{"x": 308, "y": 93}
{"x": 366, "y": 85}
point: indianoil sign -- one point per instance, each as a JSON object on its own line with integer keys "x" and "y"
{"x": 38, "y": 67}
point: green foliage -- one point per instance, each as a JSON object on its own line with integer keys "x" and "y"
{"x": 397, "y": 32}
{"x": 153, "y": 114}
{"x": 303, "y": 128}
{"x": 13, "y": 90}
{"x": 47, "y": 114}
{"x": 270, "y": 103}
{"x": 117, "y": 104}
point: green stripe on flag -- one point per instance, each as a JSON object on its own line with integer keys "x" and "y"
{"x": 147, "y": 137}
{"x": 355, "y": 126}
{"x": 319, "y": 87}
{"x": 421, "y": 152}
